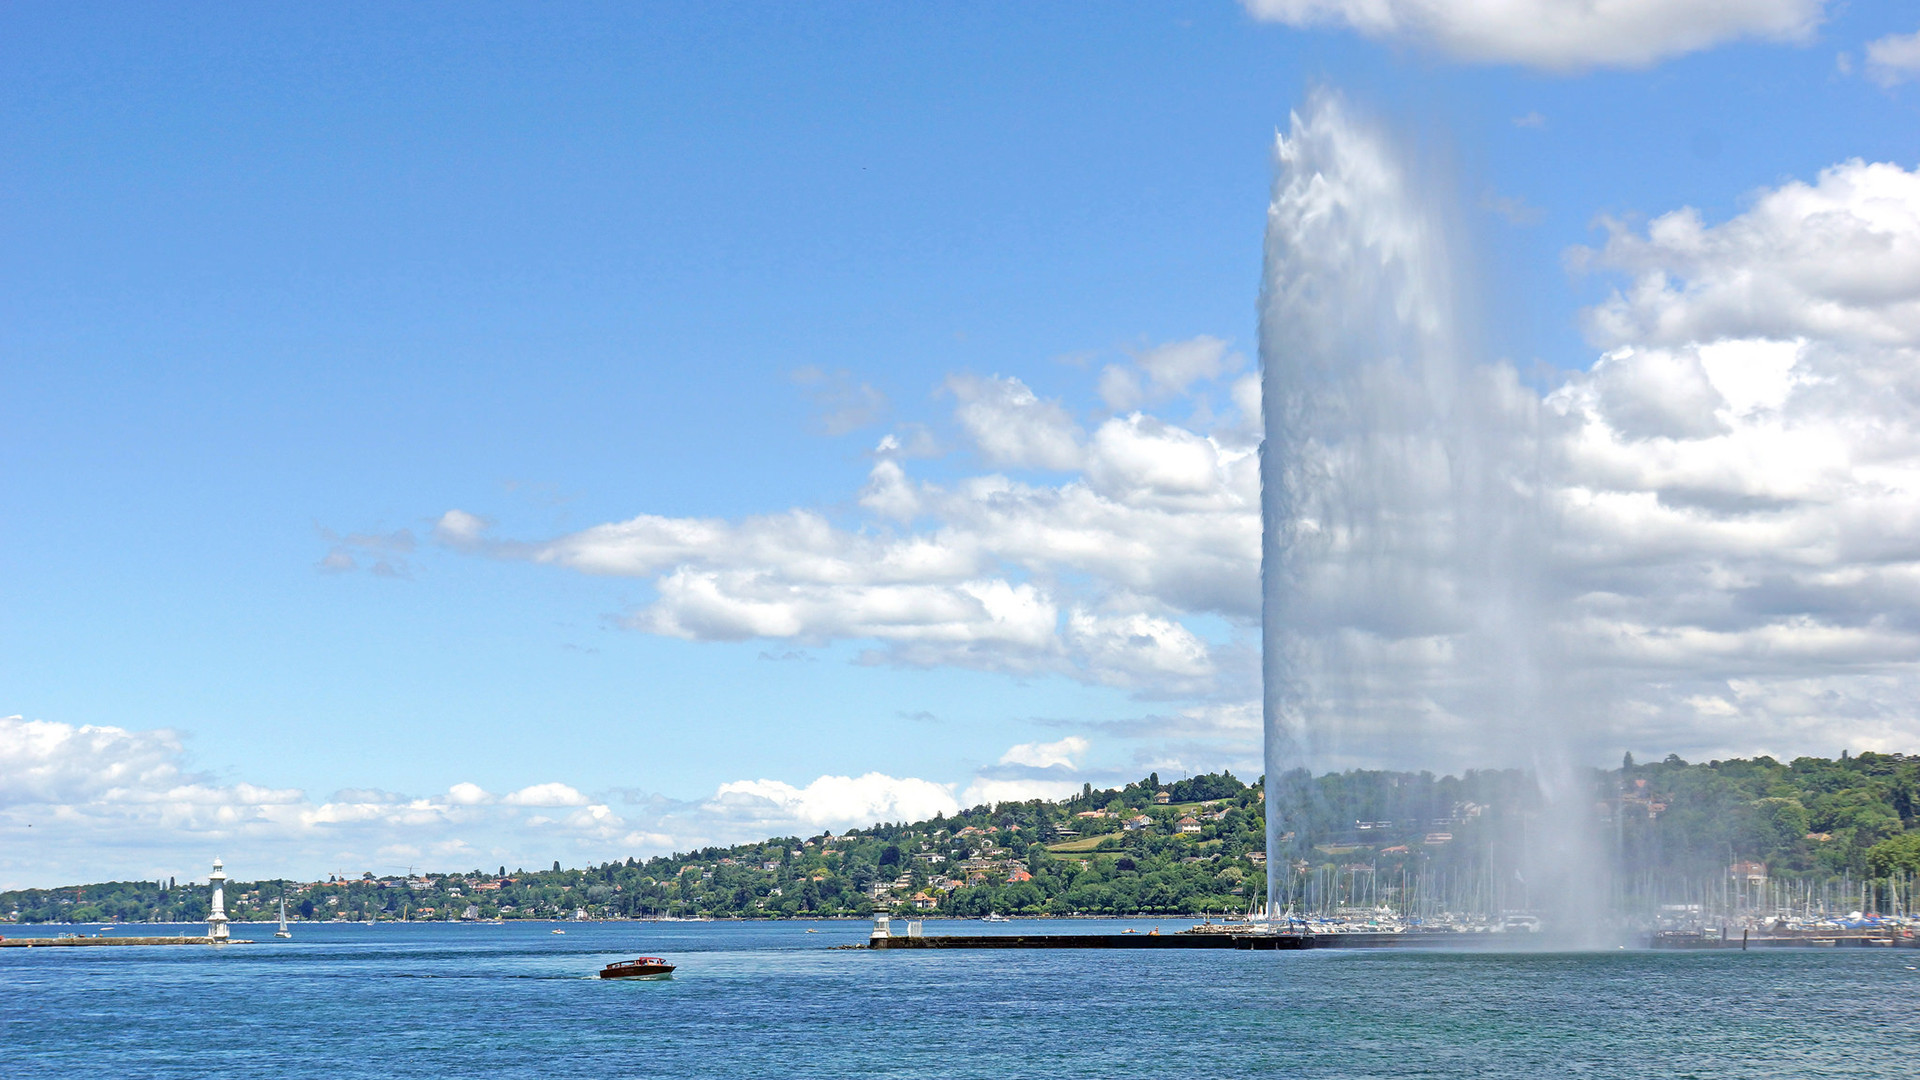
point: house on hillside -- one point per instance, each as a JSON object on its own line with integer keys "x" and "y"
{"x": 1019, "y": 875}
{"x": 1162, "y": 798}
{"x": 1138, "y": 821}
{"x": 1187, "y": 824}
{"x": 1751, "y": 873}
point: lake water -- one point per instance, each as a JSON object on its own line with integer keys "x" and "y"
{"x": 770, "y": 1000}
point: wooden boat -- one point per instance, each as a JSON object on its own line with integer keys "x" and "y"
{"x": 645, "y": 967}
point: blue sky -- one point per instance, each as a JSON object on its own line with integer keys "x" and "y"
{"x": 280, "y": 288}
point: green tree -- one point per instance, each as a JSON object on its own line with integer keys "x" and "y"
{"x": 1900, "y": 855}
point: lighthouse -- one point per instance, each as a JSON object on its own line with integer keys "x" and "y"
{"x": 217, "y": 918}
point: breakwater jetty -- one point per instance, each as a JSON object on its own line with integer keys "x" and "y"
{"x": 1212, "y": 936}
{"x": 1254, "y": 938}
{"x": 1095, "y": 941}
{"x": 1794, "y": 939}
{"x": 71, "y": 942}
{"x": 1256, "y": 942}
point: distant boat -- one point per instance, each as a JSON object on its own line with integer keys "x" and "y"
{"x": 283, "y": 931}
{"x": 995, "y": 917}
{"x": 813, "y": 931}
{"x": 559, "y": 931}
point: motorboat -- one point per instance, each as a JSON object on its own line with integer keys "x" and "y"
{"x": 645, "y": 967}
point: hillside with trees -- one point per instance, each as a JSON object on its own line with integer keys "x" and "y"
{"x": 1159, "y": 848}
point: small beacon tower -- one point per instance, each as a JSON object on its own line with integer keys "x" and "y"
{"x": 217, "y": 918}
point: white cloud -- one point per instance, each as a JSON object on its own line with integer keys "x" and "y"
{"x": 1090, "y": 577}
{"x": 459, "y": 529}
{"x": 835, "y": 801}
{"x": 1166, "y": 371}
{"x": 1750, "y": 541}
{"x": 1555, "y": 34}
{"x": 1894, "y": 59}
{"x": 1838, "y": 260}
{"x": 1011, "y": 425}
{"x": 988, "y": 792}
{"x": 467, "y": 794}
{"x": 1046, "y": 755}
{"x": 551, "y": 794}
{"x": 106, "y": 803}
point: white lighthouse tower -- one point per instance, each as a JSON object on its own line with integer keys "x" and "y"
{"x": 217, "y": 919}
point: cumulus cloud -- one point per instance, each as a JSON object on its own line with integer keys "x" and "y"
{"x": 1741, "y": 472}
{"x": 987, "y": 792}
{"x": 468, "y": 794}
{"x": 1011, "y": 425}
{"x": 1093, "y": 577}
{"x": 549, "y": 794}
{"x": 1046, "y": 755}
{"x": 1165, "y": 371}
{"x": 835, "y": 801}
{"x": 1555, "y": 34}
{"x": 1894, "y": 59}
{"x": 1835, "y": 260}
{"x": 93, "y": 803}
{"x": 459, "y": 529}
{"x": 1039, "y": 770}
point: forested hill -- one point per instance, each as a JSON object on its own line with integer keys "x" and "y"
{"x": 1150, "y": 847}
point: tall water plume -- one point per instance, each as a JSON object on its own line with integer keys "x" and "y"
{"x": 1400, "y": 567}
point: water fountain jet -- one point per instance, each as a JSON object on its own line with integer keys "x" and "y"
{"x": 1404, "y": 611}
